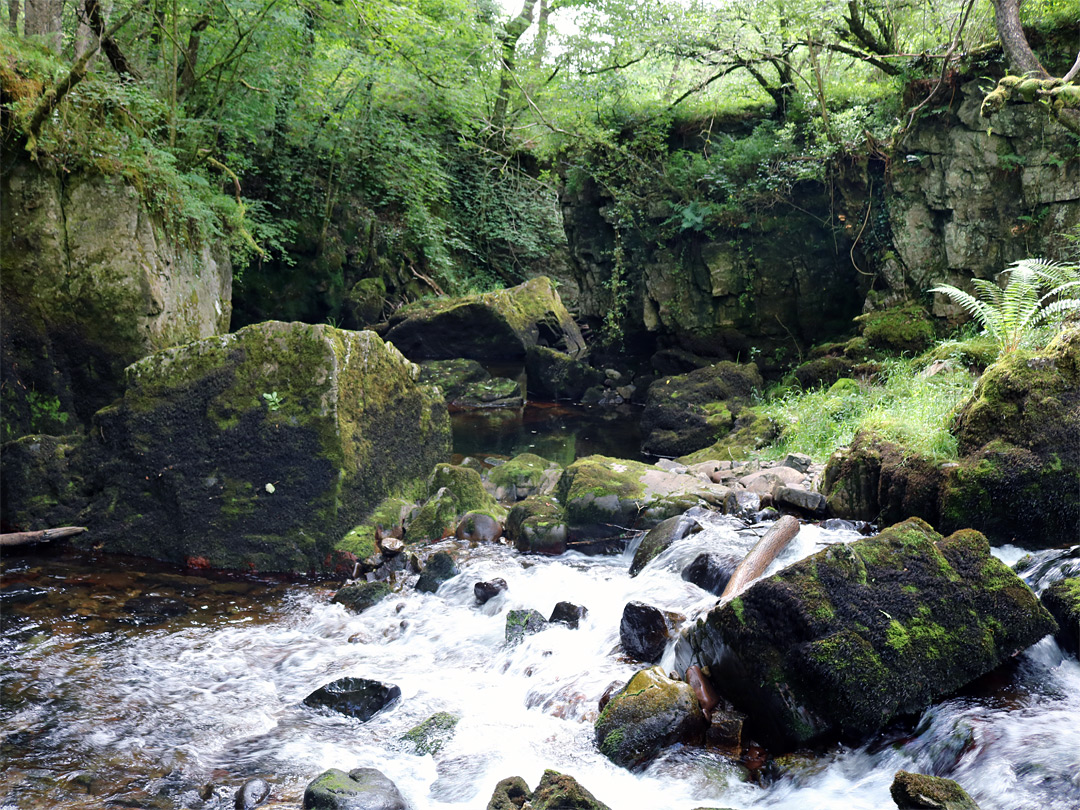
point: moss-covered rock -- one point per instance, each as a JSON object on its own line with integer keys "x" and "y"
{"x": 1019, "y": 438}
{"x": 904, "y": 328}
{"x": 524, "y": 475}
{"x": 556, "y": 375}
{"x": 439, "y": 568}
{"x": 916, "y": 791}
{"x": 359, "y": 789}
{"x": 467, "y": 488}
{"x": 878, "y": 628}
{"x": 750, "y": 432}
{"x": 467, "y": 384}
{"x": 256, "y": 449}
{"x": 510, "y": 794}
{"x": 1062, "y": 599}
{"x": 492, "y": 326}
{"x": 43, "y": 485}
{"x": 430, "y": 736}
{"x": 687, "y": 412}
{"x": 536, "y": 526}
{"x": 649, "y": 713}
{"x": 391, "y": 514}
{"x": 359, "y": 596}
{"x": 878, "y": 481}
{"x": 521, "y": 623}
{"x": 558, "y": 791}
{"x": 659, "y": 537}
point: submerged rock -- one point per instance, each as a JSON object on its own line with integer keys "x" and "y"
{"x": 439, "y": 568}
{"x": 357, "y": 697}
{"x": 521, "y": 623}
{"x": 650, "y": 712}
{"x": 359, "y": 789}
{"x": 847, "y": 639}
{"x": 146, "y": 610}
{"x": 916, "y": 791}
{"x": 467, "y": 384}
{"x": 359, "y": 596}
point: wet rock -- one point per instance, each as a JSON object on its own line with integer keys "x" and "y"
{"x": 251, "y": 794}
{"x": 497, "y": 325}
{"x": 765, "y": 482}
{"x": 21, "y": 593}
{"x": 1062, "y": 599}
{"x": 536, "y": 526}
{"x": 857, "y": 634}
{"x": 430, "y": 736}
{"x": 520, "y": 623}
{"x": 659, "y": 537}
{"x": 687, "y": 412}
{"x": 146, "y": 610}
{"x": 805, "y": 501}
{"x": 558, "y": 791}
{"x": 644, "y": 630}
{"x": 555, "y": 375}
{"x": 916, "y": 791}
{"x": 436, "y": 519}
{"x": 652, "y": 711}
{"x": 725, "y": 729}
{"x": 359, "y": 596}
{"x": 439, "y": 568}
{"x": 568, "y": 613}
{"x": 524, "y": 475}
{"x": 486, "y": 591}
{"x": 359, "y": 789}
{"x": 467, "y": 384}
{"x": 357, "y": 697}
{"x": 479, "y": 527}
{"x": 510, "y": 794}
{"x": 710, "y": 572}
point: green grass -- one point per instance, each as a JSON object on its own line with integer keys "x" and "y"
{"x": 901, "y": 405}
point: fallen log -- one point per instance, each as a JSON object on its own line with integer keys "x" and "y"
{"x": 44, "y": 536}
{"x": 764, "y": 552}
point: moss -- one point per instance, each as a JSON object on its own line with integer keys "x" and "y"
{"x": 739, "y": 608}
{"x": 467, "y": 488}
{"x": 897, "y": 636}
{"x": 430, "y": 736}
{"x": 525, "y": 470}
{"x": 750, "y": 432}
{"x": 905, "y": 328}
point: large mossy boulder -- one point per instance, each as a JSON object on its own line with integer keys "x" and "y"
{"x": 555, "y": 375}
{"x": 535, "y": 525}
{"x": 651, "y": 712}
{"x": 1018, "y": 479}
{"x": 556, "y": 791}
{"x": 855, "y": 635}
{"x": 524, "y": 475}
{"x": 687, "y": 412}
{"x": 1062, "y": 599}
{"x": 257, "y": 449}
{"x": 359, "y": 789}
{"x": 498, "y": 325}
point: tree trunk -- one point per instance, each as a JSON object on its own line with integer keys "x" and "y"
{"x": 13, "y": 16}
{"x": 1022, "y": 59}
{"x": 42, "y": 19}
{"x": 514, "y": 31}
{"x": 764, "y": 552}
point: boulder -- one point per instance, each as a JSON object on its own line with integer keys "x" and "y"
{"x": 521, "y": 623}
{"x": 510, "y": 794}
{"x": 359, "y": 789}
{"x": 522, "y": 476}
{"x": 357, "y": 697}
{"x": 1019, "y": 441}
{"x": 555, "y": 375}
{"x": 251, "y": 794}
{"x": 467, "y": 488}
{"x": 430, "y": 736}
{"x": 651, "y": 712}
{"x": 710, "y": 572}
{"x": 467, "y": 384}
{"x": 800, "y": 500}
{"x": 556, "y": 791}
{"x": 687, "y": 412}
{"x": 749, "y": 433}
{"x": 536, "y": 526}
{"x": 644, "y": 631}
{"x": 1062, "y": 599}
{"x": 479, "y": 527}
{"x": 568, "y": 613}
{"x": 916, "y": 791}
{"x": 388, "y": 518}
{"x": 660, "y": 537}
{"x": 359, "y": 596}
{"x": 857, "y": 634}
{"x": 439, "y": 568}
{"x": 253, "y": 450}
{"x": 498, "y": 325}
{"x": 905, "y": 327}
{"x": 436, "y": 518}
{"x": 486, "y": 591}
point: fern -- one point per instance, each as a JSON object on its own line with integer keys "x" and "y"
{"x": 1038, "y": 293}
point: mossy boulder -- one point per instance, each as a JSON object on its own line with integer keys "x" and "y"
{"x": 521, "y": 623}
{"x": 687, "y": 412}
{"x": 439, "y": 568}
{"x": 750, "y": 432}
{"x": 359, "y": 596}
{"x": 43, "y": 483}
{"x": 903, "y": 328}
{"x": 256, "y": 449}
{"x": 555, "y": 375}
{"x": 359, "y": 789}
{"x": 523, "y": 475}
{"x": 1019, "y": 440}
{"x": 651, "y": 712}
{"x": 917, "y": 791}
{"x": 498, "y": 325}
{"x": 1062, "y": 599}
{"x": 556, "y": 791}
{"x": 467, "y": 487}
{"x": 855, "y": 635}
{"x": 430, "y": 736}
{"x": 881, "y": 482}
{"x": 391, "y": 514}
{"x": 437, "y": 518}
{"x": 535, "y": 525}
{"x": 467, "y": 384}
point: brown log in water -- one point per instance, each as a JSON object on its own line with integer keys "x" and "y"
{"x": 764, "y": 552}
{"x": 25, "y": 538}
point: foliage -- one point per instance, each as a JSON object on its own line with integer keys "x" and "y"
{"x": 1038, "y": 293}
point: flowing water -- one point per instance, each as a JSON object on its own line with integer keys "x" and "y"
{"x": 99, "y": 711}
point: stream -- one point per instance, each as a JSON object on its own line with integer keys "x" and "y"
{"x": 175, "y": 699}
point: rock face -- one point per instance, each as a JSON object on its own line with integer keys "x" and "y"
{"x": 256, "y": 449}
{"x": 498, "y": 325}
{"x": 91, "y": 283}
{"x": 687, "y": 412}
{"x": 359, "y": 789}
{"x": 855, "y": 635}
{"x": 650, "y": 712}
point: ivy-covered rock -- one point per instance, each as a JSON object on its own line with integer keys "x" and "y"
{"x": 555, "y": 375}
{"x": 651, "y": 712}
{"x": 524, "y": 475}
{"x": 687, "y": 412}
{"x": 847, "y": 639}
{"x": 498, "y": 325}
{"x": 359, "y": 789}
{"x": 1062, "y": 599}
{"x": 256, "y": 449}
{"x": 1019, "y": 440}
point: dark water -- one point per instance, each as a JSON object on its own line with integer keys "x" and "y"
{"x": 556, "y": 431}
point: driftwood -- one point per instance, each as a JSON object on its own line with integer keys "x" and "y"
{"x": 25, "y": 538}
{"x": 764, "y": 552}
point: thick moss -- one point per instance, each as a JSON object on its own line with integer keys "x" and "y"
{"x": 436, "y": 519}
{"x": 872, "y": 630}
{"x": 750, "y": 432}
{"x": 1062, "y": 599}
{"x": 522, "y": 474}
{"x": 535, "y": 525}
{"x": 911, "y": 791}
{"x": 558, "y": 791}
{"x": 390, "y": 514}
{"x": 467, "y": 488}
{"x": 904, "y": 328}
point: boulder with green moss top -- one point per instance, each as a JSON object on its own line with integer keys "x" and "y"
{"x": 687, "y": 412}
{"x": 750, "y": 432}
{"x": 876, "y": 480}
{"x": 359, "y": 789}
{"x": 391, "y": 514}
{"x": 257, "y": 449}
{"x": 855, "y": 635}
{"x": 556, "y": 791}
{"x": 605, "y": 498}
{"x": 359, "y": 596}
{"x": 1062, "y": 599}
{"x": 650, "y": 713}
{"x": 556, "y": 375}
{"x": 467, "y": 384}
{"x": 906, "y": 327}
{"x": 535, "y": 525}
{"x": 524, "y": 475}
{"x": 917, "y": 791}
{"x": 497, "y": 325}
{"x": 1019, "y": 440}
{"x": 467, "y": 487}
{"x": 430, "y": 736}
